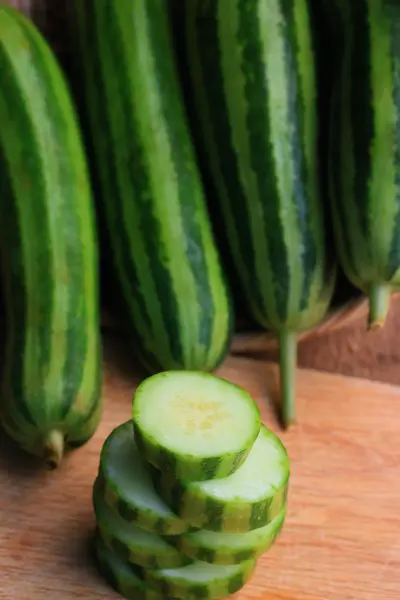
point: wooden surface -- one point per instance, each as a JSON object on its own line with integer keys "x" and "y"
{"x": 341, "y": 539}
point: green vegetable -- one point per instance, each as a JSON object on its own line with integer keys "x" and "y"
{"x": 254, "y": 87}
{"x": 167, "y": 268}
{"x": 249, "y": 499}
{"x": 127, "y": 486}
{"x": 365, "y": 147}
{"x": 122, "y": 576}
{"x": 229, "y": 548}
{"x": 51, "y": 380}
{"x": 194, "y": 426}
{"x": 134, "y": 544}
{"x": 200, "y": 580}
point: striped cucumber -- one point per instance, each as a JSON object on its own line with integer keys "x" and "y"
{"x": 200, "y": 580}
{"x": 127, "y": 486}
{"x": 51, "y": 380}
{"x": 254, "y": 85}
{"x": 167, "y": 267}
{"x": 194, "y": 426}
{"x": 133, "y": 544}
{"x": 122, "y": 576}
{"x": 249, "y": 499}
{"x": 365, "y": 147}
{"x": 229, "y": 548}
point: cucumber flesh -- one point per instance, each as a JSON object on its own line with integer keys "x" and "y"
{"x": 229, "y": 548}
{"x": 249, "y": 499}
{"x": 127, "y": 486}
{"x": 200, "y": 580}
{"x": 122, "y": 576}
{"x": 135, "y": 545}
{"x": 194, "y": 425}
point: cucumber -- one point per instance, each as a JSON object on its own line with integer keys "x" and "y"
{"x": 122, "y": 576}
{"x": 51, "y": 380}
{"x": 167, "y": 268}
{"x": 133, "y": 544}
{"x": 127, "y": 486}
{"x": 200, "y": 580}
{"x": 195, "y": 426}
{"x": 249, "y": 499}
{"x": 229, "y": 548}
{"x": 253, "y": 74}
{"x": 365, "y": 147}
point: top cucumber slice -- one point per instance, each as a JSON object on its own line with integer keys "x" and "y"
{"x": 250, "y": 498}
{"x": 194, "y": 425}
{"x": 127, "y": 486}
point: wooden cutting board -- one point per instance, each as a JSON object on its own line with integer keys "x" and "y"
{"x": 341, "y": 540}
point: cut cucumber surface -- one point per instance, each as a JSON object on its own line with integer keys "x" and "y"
{"x": 121, "y": 576}
{"x": 229, "y": 548}
{"x": 135, "y": 545}
{"x": 128, "y": 488}
{"x": 250, "y": 498}
{"x": 194, "y": 425}
{"x": 200, "y": 581}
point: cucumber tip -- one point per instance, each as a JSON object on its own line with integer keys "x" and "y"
{"x": 53, "y": 450}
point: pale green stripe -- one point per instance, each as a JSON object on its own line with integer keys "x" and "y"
{"x": 231, "y": 58}
{"x": 382, "y": 206}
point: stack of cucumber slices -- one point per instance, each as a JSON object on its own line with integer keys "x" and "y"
{"x": 190, "y": 492}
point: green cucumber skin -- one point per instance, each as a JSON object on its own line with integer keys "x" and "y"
{"x": 167, "y": 268}
{"x": 51, "y": 381}
{"x": 195, "y": 510}
{"x": 202, "y": 511}
{"x": 261, "y": 140}
{"x": 169, "y": 525}
{"x": 122, "y": 577}
{"x": 186, "y": 467}
{"x": 272, "y": 207}
{"x": 190, "y": 545}
{"x": 126, "y": 547}
{"x": 214, "y": 590}
{"x": 365, "y": 147}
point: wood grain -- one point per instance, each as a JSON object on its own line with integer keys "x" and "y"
{"x": 341, "y": 540}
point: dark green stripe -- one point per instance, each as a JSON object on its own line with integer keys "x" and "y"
{"x": 394, "y": 254}
{"x": 242, "y": 556}
{"x": 199, "y": 592}
{"x": 128, "y": 512}
{"x": 210, "y": 467}
{"x": 133, "y": 158}
{"x": 187, "y": 176}
{"x": 236, "y": 582}
{"x": 262, "y": 161}
{"x": 120, "y": 549}
{"x": 214, "y": 514}
{"x": 300, "y": 170}
{"x": 361, "y": 108}
{"x": 209, "y": 56}
{"x": 111, "y": 197}
{"x": 73, "y": 252}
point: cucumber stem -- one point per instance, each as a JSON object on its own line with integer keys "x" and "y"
{"x": 379, "y": 302}
{"x": 287, "y": 372}
{"x": 53, "y": 448}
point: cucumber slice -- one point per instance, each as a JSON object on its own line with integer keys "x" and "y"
{"x": 229, "y": 548}
{"x": 121, "y": 576}
{"x": 194, "y": 425}
{"x": 128, "y": 488}
{"x": 250, "y": 498}
{"x": 200, "y": 580}
{"x": 133, "y": 544}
